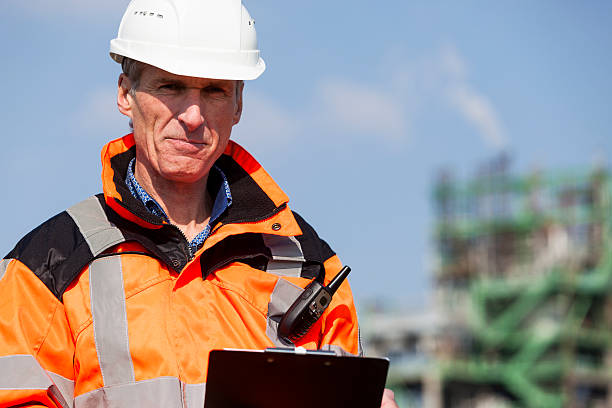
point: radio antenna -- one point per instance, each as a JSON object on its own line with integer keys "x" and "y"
{"x": 338, "y": 279}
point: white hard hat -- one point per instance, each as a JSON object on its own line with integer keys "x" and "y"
{"x": 199, "y": 38}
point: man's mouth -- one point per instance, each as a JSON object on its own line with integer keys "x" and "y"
{"x": 187, "y": 144}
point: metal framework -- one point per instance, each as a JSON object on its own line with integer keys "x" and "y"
{"x": 524, "y": 277}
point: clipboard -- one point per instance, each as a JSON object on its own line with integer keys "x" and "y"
{"x": 283, "y": 378}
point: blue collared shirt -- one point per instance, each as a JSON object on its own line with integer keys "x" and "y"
{"x": 223, "y": 199}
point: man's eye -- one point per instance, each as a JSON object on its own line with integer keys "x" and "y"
{"x": 169, "y": 87}
{"x": 213, "y": 89}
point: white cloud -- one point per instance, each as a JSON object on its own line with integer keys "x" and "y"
{"x": 452, "y": 63}
{"x": 478, "y": 110}
{"x": 473, "y": 106}
{"x": 444, "y": 77}
{"x": 350, "y": 109}
{"x": 360, "y": 108}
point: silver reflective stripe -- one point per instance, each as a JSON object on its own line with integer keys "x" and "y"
{"x": 98, "y": 231}
{"x": 110, "y": 320}
{"x": 194, "y": 395}
{"x": 22, "y": 372}
{"x": 3, "y": 266}
{"x": 284, "y": 248}
{"x": 285, "y": 268}
{"x": 283, "y": 295}
{"x": 287, "y": 255}
{"x": 338, "y": 350}
{"x": 159, "y": 392}
{"x": 63, "y": 390}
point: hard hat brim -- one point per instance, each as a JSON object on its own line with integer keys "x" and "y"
{"x": 230, "y": 65}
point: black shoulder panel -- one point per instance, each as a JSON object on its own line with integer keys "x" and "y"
{"x": 248, "y": 248}
{"x": 314, "y": 248}
{"x": 251, "y": 249}
{"x": 54, "y": 251}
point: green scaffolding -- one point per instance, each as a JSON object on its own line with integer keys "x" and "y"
{"x": 537, "y": 334}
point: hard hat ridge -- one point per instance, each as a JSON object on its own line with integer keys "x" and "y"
{"x": 204, "y": 38}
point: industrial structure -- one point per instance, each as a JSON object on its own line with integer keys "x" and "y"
{"x": 523, "y": 289}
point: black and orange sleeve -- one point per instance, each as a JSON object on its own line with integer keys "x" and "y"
{"x": 36, "y": 346}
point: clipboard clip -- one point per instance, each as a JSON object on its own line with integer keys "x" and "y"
{"x": 300, "y": 350}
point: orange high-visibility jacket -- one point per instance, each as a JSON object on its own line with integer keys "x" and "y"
{"x": 102, "y": 305}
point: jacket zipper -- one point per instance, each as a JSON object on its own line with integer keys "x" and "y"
{"x": 190, "y": 254}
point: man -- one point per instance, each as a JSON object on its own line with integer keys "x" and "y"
{"x": 118, "y": 300}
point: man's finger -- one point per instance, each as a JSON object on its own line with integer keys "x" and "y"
{"x": 388, "y": 400}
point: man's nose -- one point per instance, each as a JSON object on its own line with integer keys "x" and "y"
{"x": 192, "y": 116}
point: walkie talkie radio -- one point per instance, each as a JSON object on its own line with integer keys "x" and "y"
{"x": 309, "y": 307}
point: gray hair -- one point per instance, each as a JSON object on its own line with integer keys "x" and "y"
{"x": 133, "y": 69}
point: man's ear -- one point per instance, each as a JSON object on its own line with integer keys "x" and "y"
{"x": 124, "y": 98}
{"x": 238, "y": 110}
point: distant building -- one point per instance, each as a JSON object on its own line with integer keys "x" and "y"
{"x": 523, "y": 289}
{"x": 407, "y": 340}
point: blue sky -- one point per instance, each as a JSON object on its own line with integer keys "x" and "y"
{"x": 361, "y": 104}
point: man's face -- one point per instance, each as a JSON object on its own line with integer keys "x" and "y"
{"x": 181, "y": 124}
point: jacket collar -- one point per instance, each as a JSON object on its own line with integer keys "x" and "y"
{"x": 257, "y": 199}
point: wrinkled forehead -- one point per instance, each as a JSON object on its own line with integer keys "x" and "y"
{"x": 152, "y": 76}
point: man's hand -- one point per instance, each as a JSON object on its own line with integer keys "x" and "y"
{"x": 388, "y": 400}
